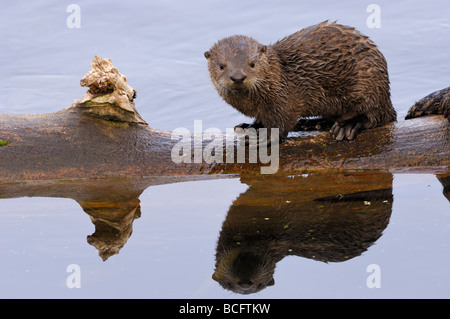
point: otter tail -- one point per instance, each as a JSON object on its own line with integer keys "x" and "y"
{"x": 435, "y": 103}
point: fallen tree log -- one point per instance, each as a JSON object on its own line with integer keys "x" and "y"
{"x": 102, "y": 135}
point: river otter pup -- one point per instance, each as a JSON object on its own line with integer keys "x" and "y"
{"x": 326, "y": 70}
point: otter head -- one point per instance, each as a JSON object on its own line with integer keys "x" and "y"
{"x": 244, "y": 272}
{"x": 237, "y": 63}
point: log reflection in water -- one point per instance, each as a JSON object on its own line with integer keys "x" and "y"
{"x": 329, "y": 217}
{"x": 112, "y": 204}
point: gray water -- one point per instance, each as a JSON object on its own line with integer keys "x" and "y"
{"x": 171, "y": 251}
{"x": 159, "y": 46}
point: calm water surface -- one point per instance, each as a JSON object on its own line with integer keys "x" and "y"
{"x": 161, "y": 241}
{"x": 165, "y": 241}
{"x": 159, "y": 46}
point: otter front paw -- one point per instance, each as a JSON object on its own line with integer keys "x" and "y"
{"x": 315, "y": 124}
{"x": 245, "y": 126}
{"x": 345, "y": 130}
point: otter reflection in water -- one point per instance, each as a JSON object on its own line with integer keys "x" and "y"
{"x": 328, "y": 221}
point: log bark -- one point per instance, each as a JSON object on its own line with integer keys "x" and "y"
{"x": 71, "y": 144}
{"x": 102, "y": 136}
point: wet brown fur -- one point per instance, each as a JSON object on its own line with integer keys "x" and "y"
{"x": 435, "y": 103}
{"x": 326, "y": 70}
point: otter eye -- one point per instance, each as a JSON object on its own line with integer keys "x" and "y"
{"x": 221, "y": 66}
{"x": 252, "y": 64}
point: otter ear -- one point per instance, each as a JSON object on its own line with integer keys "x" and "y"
{"x": 271, "y": 283}
{"x": 207, "y": 54}
{"x": 215, "y": 277}
{"x": 263, "y": 49}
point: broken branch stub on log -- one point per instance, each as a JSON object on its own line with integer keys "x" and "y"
{"x": 102, "y": 135}
{"x": 109, "y": 95}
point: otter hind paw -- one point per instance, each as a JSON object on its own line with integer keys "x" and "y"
{"x": 345, "y": 130}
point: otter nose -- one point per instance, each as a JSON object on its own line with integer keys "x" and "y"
{"x": 245, "y": 283}
{"x": 238, "y": 77}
